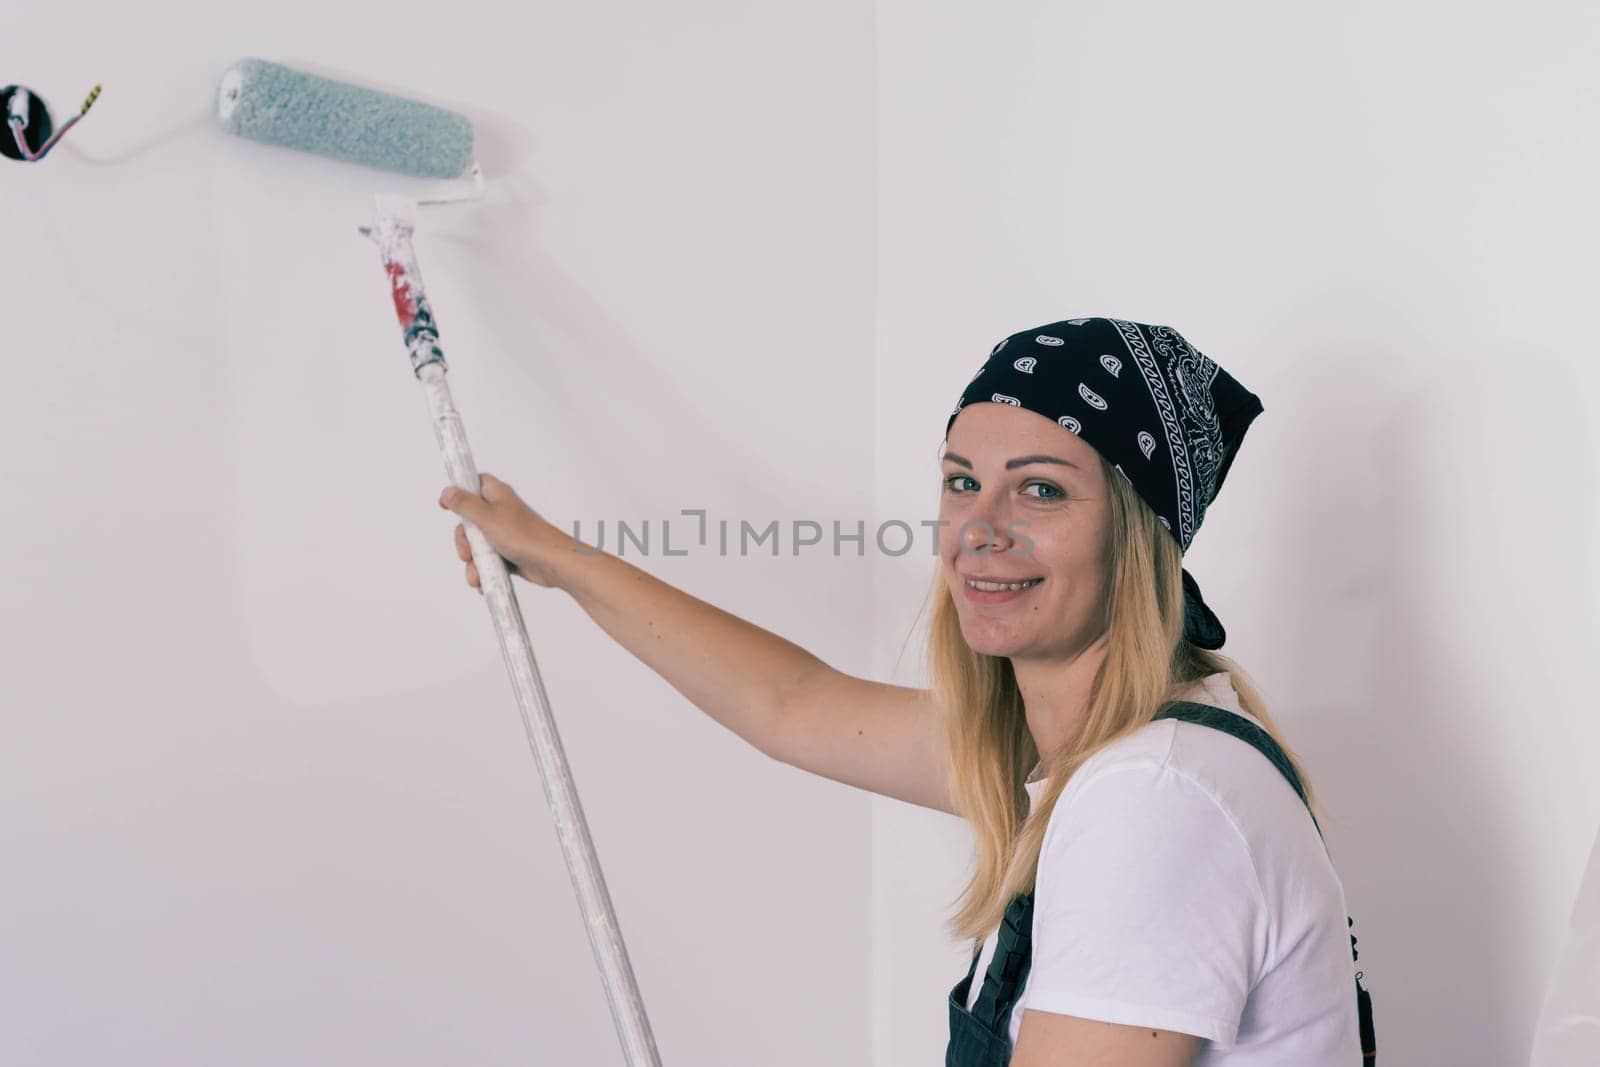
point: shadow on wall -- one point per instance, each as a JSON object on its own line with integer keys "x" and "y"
{"x": 1448, "y": 610}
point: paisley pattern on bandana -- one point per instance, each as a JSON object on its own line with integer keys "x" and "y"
{"x": 1195, "y": 375}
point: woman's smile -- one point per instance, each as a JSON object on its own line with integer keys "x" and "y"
{"x": 991, "y": 590}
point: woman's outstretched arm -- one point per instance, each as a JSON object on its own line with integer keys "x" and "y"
{"x": 779, "y": 697}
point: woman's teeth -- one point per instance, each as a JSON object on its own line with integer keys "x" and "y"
{"x": 995, "y": 587}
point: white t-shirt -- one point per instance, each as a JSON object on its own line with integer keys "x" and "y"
{"x": 1182, "y": 886}
{"x": 1568, "y": 1033}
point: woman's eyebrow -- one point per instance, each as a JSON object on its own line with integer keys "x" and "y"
{"x": 1020, "y": 461}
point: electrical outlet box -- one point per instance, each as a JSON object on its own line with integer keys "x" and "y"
{"x": 35, "y": 133}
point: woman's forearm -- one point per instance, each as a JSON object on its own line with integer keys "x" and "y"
{"x": 731, "y": 669}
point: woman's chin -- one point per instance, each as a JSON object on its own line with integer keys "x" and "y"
{"x": 988, "y": 643}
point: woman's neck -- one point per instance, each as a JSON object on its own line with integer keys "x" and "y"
{"x": 1055, "y": 695}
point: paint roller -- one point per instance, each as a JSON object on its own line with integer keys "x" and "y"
{"x": 275, "y": 105}
{"x": 287, "y": 108}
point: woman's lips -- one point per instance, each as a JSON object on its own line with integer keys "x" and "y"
{"x": 993, "y": 595}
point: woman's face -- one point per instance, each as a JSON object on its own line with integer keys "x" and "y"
{"x": 1023, "y": 499}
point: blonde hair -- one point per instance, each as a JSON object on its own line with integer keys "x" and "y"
{"x": 989, "y": 749}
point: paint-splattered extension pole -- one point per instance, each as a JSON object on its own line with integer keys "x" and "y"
{"x": 393, "y": 234}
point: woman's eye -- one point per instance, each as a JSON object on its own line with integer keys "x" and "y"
{"x": 949, "y": 482}
{"x": 1051, "y": 492}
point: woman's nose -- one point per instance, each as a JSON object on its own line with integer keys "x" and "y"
{"x": 984, "y": 529}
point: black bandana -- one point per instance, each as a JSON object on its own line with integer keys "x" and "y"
{"x": 1164, "y": 415}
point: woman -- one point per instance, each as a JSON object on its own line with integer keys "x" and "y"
{"x": 1156, "y": 892}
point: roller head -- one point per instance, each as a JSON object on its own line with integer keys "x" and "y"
{"x": 279, "y": 106}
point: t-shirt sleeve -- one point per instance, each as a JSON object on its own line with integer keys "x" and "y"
{"x": 1147, "y": 907}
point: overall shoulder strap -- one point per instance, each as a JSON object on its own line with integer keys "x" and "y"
{"x": 1246, "y": 731}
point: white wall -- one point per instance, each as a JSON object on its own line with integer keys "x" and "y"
{"x": 264, "y": 795}
{"x": 1379, "y": 217}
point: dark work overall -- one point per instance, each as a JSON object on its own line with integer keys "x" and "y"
{"x": 981, "y": 1037}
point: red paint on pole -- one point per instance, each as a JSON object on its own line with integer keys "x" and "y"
{"x": 400, "y": 289}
